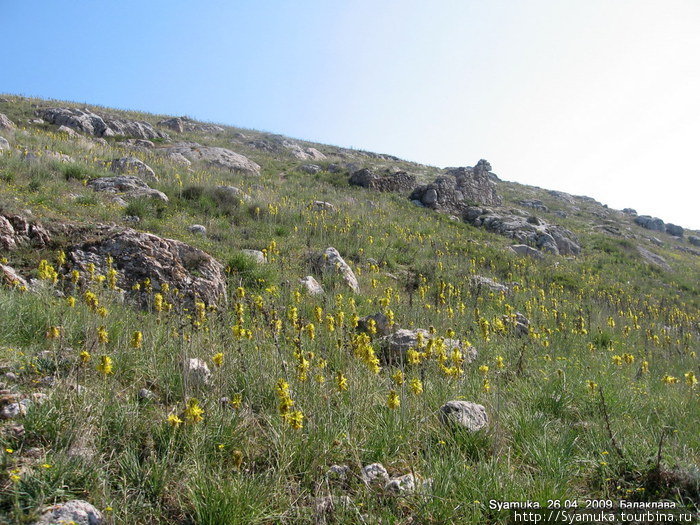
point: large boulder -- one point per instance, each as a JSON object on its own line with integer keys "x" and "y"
{"x": 93, "y": 124}
{"x": 138, "y": 256}
{"x": 214, "y": 156}
{"x": 74, "y": 512}
{"x": 650, "y": 223}
{"x": 674, "y": 229}
{"x": 127, "y": 186}
{"x": 526, "y": 230}
{"x": 133, "y": 166}
{"x": 464, "y": 414}
{"x": 330, "y": 262}
{"x": 17, "y": 231}
{"x": 694, "y": 240}
{"x": 461, "y": 188}
{"x": 387, "y": 181}
{"x": 6, "y": 124}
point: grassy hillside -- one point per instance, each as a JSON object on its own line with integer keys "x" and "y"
{"x": 599, "y": 400}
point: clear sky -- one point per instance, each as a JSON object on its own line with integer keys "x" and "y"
{"x": 594, "y": 97}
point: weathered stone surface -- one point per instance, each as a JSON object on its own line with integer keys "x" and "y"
{"x": 311, "y": 285}
{"x": 461, "y": 188}
{"x": 694, "y": 240}
{"x": 74, "y": 512}
{"x": 182, "y": 124}
{"x": 16, "y": 230}
{"x": 386, "y": 181}
{"x": 394, "y": 346}
{"x": 630, "y": 211}
{"x": 533, "y": 231}
{"x": 525, "y": 250}
{"x": 535, "y": 204}
{"x": 68, "y": 131}
{"x": 279, "y": 144}
{"x": 10, "y": 277}
{"x": 138, "y": 256}
{"x": 256, "y": 255}
{"x": 321, "y": 206}
{"x": 127, "y": 186}
{"x": 311, "y": 169}
{"x": 214, "y": 156}
{"x": 91, "y": 123}
{"x": 138, "y": 144}
{"x": 4, "y": 145}
{"x": 330, "y": 261}
{"x": 36, "y": 156}
{"x": 650, "y": 223}
{"x": 465, "y": 414}
{"x": 133, "y": 166}
{"x": 199, "y": 229}
{"x": 653, "y": 258}
{"x": 481, "y": 282}
{"x": 232, "y": 192}
{"x": 382, "y": 326}
{"x": 673, "y": 229}
{"x": 197, "y": 372}
{"x": 563, "y": 196}
{"x": 374, "y": 473}
{"x": 6, "y": 124}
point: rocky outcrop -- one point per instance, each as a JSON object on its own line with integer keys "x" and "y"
{"x": 528, "y": 230}
{"x": 397, "y": 181}
{"x": 126, "y": 186}
{"x": 694, "y": 240}
{"x": 526, "y": 251}
{"x": 137, "y": 144}
{"x": 464, "y": 414}
{"x": 461, "y": 188}
{"x": 214, "y": 156}
{"x": 16, "y": 231}
{"x": 278, "y": 144}
{"x": 77, "y": 512}
{"x": 138, "y": 256}
{"x": 6, "y": 124}
{"x": 330, "y": 262}
{"x": 133, "y": 166}
{"x": 650, "y": 223}
{"x": 673, "y": 229}
{"x": 182, "y": 124}
{"x": 653, "y": 258}
{"x": 91, "y": 123}
{"x": 535, "y": 204}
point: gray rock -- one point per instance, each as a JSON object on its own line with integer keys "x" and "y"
{"x": 525, "y": 250}
{"x": 311, "y": 169}
{"x": 567, "y": 198}
{"x": 464, "y": 414}
{"x": 330, "y": 262}
{"x": 630, "y": 211}
{"x": 256, "y": 255}
{"x": 198, "y": 229}
{"x": 535, "y": 204}
{"x": 127, "y": 186}
{"x": 399, "y": 181}
{"x": 673, "y": 229}
{"x": 694, "y": 240}
{"x": 321, "y": 206}
{"x": 375, "y": 473}
{"x": 197, "y": 373}
{"x": 214, "y": 156}
{"x": 138, "y": 256}
{"x": 394, "y": 346}
{"x": 36, "y": 156}
{"x": 232, "y": 192}
{"x": 138, "y": 144}
{"x": 182, "y": 124}
{"x": 133, "y": 166}
{"x": 338, "y": 473}
{"x": 146, "y": 395}
{"x": 653, "y": 258}
{"x": 381, "y": 323}
{"x": 10, "y": 277}
{"x": 311, "y": 285}
{"x": 479, "y": 281}
{"x": 178, "y": 158}
{"x": 6, "y": 124}
{"x": 4, "y": 145}
{"x": 17, "y": 231}
{"x": 74, "y": 512}
{"x": 650, "y": 223}
{"x": 68, "y": 131}
{"x": 88, "y": 122}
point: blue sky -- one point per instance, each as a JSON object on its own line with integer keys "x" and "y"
{"x": 592, "y": 97}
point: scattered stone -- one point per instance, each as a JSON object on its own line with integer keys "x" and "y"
{"x": 534, "y": 203}
{"x": 36, "y": 156}
{"x": 4, "y": 145}
{"x": 375, "y": 473}
{"x": 214, "y": 156}
{"x": 694, "y": 240}
{"x": 138, "y": 256}
{"x": 407, "y": 484}
{"x": 525, "y": 250}
{"x": 232, "y": 192}
{"x": 127, "y": 186}
{"x": 10, "y": 277}
{"x": 146, "y": 395}
{"x": 198, "y": 229}
{"x": 650, "y": 223}
{"x": 330, "y": 261}
{"x": 394, "y": 346}
{"x": 312, "y": 286}
{"x": 74, "y": 512}
{"x": 321, "y": 206}
{"x": 133, "y": 166}
{"x": 17, "y": 231}
{"x": 182, "y": 124}
{"x": 256, "y": 255}
{"x": 68, "y": 131}
{"x": 653, "y": 259}
{"x": 381, "y": 324}
{"x": 397, "y": 181}
{"x": 311, "y": 169}
{"x": 138, "y": 144}
{"x": 630, "y": 211}
{"x": 178, "y": 158}
{"x": 479, "y": 281}
{"x": 673, "y": 229}
{"x": 6, "y": 124}
{"x": 464, "y": 414}
{"x": 197, "y": 372}
{"x": 338, "y": 473}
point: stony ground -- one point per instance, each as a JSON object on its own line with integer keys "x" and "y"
{"x": 204, "y": 324}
